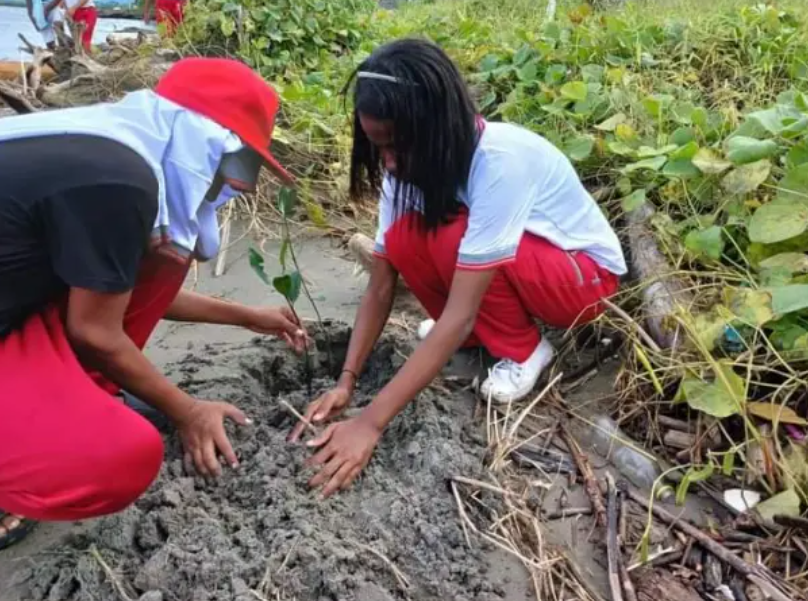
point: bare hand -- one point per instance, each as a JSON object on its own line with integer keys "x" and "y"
{"x": 203, "y": 436}
{"x": 347, "y": 449}
{"x": 279, "y": 322}
{"x": 326, "y": 407}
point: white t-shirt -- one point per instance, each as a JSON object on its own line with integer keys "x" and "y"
{"x": 519, "y": 182}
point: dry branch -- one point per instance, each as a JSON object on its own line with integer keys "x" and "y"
{"x": 612, "y": 546}
{"x": 588, "y": 475}
{"x": 775, "y": 587}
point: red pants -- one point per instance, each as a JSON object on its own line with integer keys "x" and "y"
{"x": 170, "y": 13}
{"x": 87, "y": 15}
{"x": 557, "y": 287}
{"x": 69, "y": 450}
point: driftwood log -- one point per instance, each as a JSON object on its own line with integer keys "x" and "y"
{"x": 663, "y": 292}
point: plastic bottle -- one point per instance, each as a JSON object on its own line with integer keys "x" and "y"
{"x": 610, "y": 441}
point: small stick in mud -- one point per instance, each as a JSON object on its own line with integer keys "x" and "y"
{"x": 299, "y": 416}
{"x": 612, "y": 547}
{"x": 590, "y": 481}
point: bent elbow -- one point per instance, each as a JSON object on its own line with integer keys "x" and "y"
{"x": 89, "y": 340}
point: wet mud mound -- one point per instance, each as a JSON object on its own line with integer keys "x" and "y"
{"x": 261, "y": 533}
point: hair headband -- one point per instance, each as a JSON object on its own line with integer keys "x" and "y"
{"x": 383, "y": 77}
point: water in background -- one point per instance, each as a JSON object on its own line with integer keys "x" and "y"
{"x": 14, "y": 20}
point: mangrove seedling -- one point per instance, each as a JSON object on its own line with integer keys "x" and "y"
{"x": 291, "y": 282}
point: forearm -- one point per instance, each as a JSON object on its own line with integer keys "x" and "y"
{"x": 120, "y": 361}
{"x": 420, "y": 369}
{"x": 374, "y": 311}
{"x": 197, "y": 308}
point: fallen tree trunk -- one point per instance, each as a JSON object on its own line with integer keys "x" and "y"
{"x": 663, "y": 293}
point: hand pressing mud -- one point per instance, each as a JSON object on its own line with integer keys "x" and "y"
{"x": 203, "y": 436}
{"x": 328, "y": 406}
{"x": 346, "y": 449}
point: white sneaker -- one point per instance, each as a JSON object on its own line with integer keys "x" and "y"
{"x": 509, "y": 381}
{"x": 425, "y": 328}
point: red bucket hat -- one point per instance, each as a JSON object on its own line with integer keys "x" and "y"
{"x": 231, "y": 94}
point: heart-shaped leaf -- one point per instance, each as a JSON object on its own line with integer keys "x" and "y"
{"x": 289, "y": 285}
{"x": 580, "y": 148}
{"x": 793, "y": 188}
{"x": 720, "y": 398}
{"x": 574, "y": 90}
{"x": 742, "y": 150}
{"x": 789, "y": 299}
{"x": 710, "y": 163}
{"x": 747, "y": 178}
{"x": 633, "y": 201}
{"x": 775, "y": 222}
{"x": 707, "y": 242}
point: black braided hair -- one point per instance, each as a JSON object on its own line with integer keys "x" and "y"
{"x": 434, "y": 121}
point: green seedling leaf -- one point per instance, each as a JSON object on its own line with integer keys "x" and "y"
{"x": 682, "y": 112}
{"x": 625, "y": 133}
{"x": 793, "y": 188}
{"x": 685, "y": 151}
{"x": 747, "y": 178}
{"x": 580, "y": 148}
{"x": 777, "y": 414}
{"x": 710, "y": 163}
{"x": 681, "y": 169}
{"x": 775, "y": 222}
{"x": 652, "y": 164}
{"x": 742, "y": 150}
{"x": 528, "y": 72}
{"x": 257, "y": 265}
{"x": 655, "y": 104}
{"x": 785, "y": 503}
{"x": 720, "y": 398}
{"x": 708, "y": 242}
{"x": 774, "y": 120}
{"x": 789, "y": 299}
{"x": 699, "y": 117}
{"x": 634, "y": 200}
{"x": 612, "y": 122}
{"x": 592, "y": 73}
{"x": 287, "y": 201}
{"x": 728, "y": 463}
{"x": 574, "y": 90}
{"x": 644, "y": 152}
{"x": 289, "y": 285}
{"x": 555, "y": 74}
{"x": 682, "y": 136}
{"x": 798, "y": 155}
{"x": 793, "y": 262}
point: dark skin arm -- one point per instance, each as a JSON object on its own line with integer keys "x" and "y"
{"x": 197, "y": 308}
{"x": 346, "y": 447}
{"x": 94, "y": 325}
{"x": 374, "y": 310}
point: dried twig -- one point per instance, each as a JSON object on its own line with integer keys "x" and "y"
{"x": 567, "y": 512}
{"x": 401, "y": 578}
{"x": 612, "y": 547}
{"x": 299, "y": 416}
{"x": 791, "y": 522}
{"x": 116, "y": 582}
{"x": 590, "y": 481}
{"x": 773, "y": 586}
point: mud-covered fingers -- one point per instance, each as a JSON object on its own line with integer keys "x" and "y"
{"x": 199, "y": 462}
{"x": 211, "y": 460}
{"x": 338, "y": 481}
{"x": 346, "y": 484}
{"x": 225, "y": 448}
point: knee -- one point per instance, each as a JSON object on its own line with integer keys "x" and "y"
{"x": 132, "y": 468}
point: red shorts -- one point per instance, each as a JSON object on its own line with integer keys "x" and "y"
{"x": 69, "y": 450}
{"x": 545, "y": 283}
{"x": 88, "y": 16}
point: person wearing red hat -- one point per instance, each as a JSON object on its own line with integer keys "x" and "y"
{"x": 96, "y": 238}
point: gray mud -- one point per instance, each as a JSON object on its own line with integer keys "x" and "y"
{"x": 262, "y": 530}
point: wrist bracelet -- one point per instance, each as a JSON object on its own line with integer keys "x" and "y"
{"x": 352, "y": 372}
